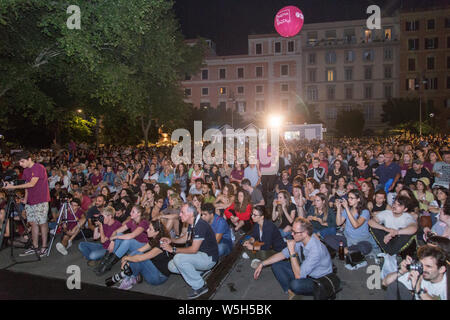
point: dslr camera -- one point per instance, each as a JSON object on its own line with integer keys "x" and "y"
{"x": 99, "y": 218}
{"x": 9, "y": 176}
{"x": 415, "y": 265}
{"x": 126, "y": 271}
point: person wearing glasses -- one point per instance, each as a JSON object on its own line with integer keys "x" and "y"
{"x": 305, "y": 257}
{"x": 355, "y": 215}
{"x": 265, "y": 239}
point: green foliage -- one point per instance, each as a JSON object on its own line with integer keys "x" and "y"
{"x": 350, "y": 123}
{"x": 127, "y": 58}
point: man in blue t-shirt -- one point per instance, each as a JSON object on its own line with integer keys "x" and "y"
{"x": 220, "y": 228}
{"x": 191, "y": 262}
{"x": 389, "y": 172}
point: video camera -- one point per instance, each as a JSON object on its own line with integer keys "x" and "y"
{"x": 11, "y": 177}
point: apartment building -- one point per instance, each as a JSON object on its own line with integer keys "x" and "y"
{"x": 425, "y": 60}
{"x": 331, "y": 66}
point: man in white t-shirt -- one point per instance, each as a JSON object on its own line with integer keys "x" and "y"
{"x": 431, "y": 285}
{"x": 394, "y": 231}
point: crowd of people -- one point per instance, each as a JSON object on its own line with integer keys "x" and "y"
{"x": 382, "y": 199}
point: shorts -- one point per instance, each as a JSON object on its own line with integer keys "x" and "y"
{"x": 37, "y": 213}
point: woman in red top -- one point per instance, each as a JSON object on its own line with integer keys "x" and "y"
{"x": 238, "y": 214}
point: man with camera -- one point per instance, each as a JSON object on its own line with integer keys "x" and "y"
{"x": 37, "y": 197}
{"x": 422, "y": 280}
{"x": 93, "y": 213}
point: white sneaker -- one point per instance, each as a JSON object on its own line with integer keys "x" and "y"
{"x": 69, "y": 244}
{"x": 245, "y": 255}
{"x": 357, "y": 266}
{"x": 61, "y": 249}
{"x": 255, "y": 263}
{"x": 53, "y": 232}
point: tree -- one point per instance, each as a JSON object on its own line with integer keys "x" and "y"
{"x": 350, "y": 123}
{"x": 216, "y": 117}
{"x": 305, "y": 113}
{"x": 127, "y": 57}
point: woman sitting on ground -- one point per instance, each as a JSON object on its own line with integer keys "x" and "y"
{"x": 149, "y": 261}
{"x": 322, "y": 217}
{"x": 170, "y": 217}
{"x": 125, "y": 243}
{"x": 284, "y": 213}
{"x": 238, "y": 214}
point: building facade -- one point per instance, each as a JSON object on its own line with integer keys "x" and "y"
{"x": 330, "y": 66}
{"x": 425, "y": 60}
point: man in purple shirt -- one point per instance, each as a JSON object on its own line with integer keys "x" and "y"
{"x": 37, "y": 197}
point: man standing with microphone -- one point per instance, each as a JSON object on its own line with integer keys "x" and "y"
{"x": 37, "y": 197}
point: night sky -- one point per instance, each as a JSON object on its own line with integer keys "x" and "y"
{"x": 229, "y": 22}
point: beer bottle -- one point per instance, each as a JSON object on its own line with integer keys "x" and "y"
{"x": 341, "y": 251}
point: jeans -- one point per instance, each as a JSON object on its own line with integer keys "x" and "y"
{"x": 122, "y": 247}
{"x": 224, "y": 249}
{"x": 148, "y": 270}
{"x": 92, "y": 250}
{"x": 190, "y": 267}
{"x": 331, "y": 231}
{"x": 285, "y": 276}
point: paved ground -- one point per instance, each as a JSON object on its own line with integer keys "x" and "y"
{"x": 238, "y": 284}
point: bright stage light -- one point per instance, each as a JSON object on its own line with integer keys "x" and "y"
{"x": 275, "y": 121}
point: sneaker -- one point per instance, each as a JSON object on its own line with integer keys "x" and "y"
{"x": 197, "y": 293}
{"x": 53, "y": 232}
{"x": 69, "y": 244}
{"x": 61, "y": 249}
{"x": 127, "y": 283}
{"x": 255, "y": 263}
{"x": 206, "y": 273}
{"x": 356, "y": 266}
{"x": 28, "y": 252}
{"x": 245, "y": 255}
{"x": 43, "y": 252}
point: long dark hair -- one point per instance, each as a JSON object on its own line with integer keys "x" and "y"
{"x": 362, "y": 204}
{"x": 246, "y": 201}
{"x": 158, "y": 227}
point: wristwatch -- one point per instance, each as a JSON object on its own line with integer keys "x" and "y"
{"x": 294, "y": 255}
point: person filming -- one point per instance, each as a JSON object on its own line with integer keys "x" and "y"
{"x": 37, "y": 197}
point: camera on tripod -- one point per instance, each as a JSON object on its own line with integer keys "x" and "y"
{"x": 415, "y": 265}
{"x": 126, "y": 271}
{"x": 11, "y": 177}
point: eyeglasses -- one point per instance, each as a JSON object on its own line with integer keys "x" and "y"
{"x": 297, "y": 232}
{"x": 255, "y": 215}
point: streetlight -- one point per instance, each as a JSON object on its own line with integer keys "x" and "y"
{"x": 275, "y": 121}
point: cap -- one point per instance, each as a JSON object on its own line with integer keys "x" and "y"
{"x": 425, "y": 180}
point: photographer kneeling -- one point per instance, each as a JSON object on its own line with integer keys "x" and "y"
{"x": 105, "y": 226}
{"x": 71, "y": 228}
{"x": 426, "y": 280}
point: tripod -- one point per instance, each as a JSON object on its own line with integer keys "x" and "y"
{"x": 9, "y": 217}
{"x": 63, "y": 218}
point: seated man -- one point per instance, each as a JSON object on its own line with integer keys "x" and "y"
{"x": 197, "y": 187}
{"x": 427, "y": 283}
{"x": 256, "y": 196}
{"x": 201, "y": 256}
{"x": 220, "y": 228}
{"x": 72, "y": 226}
{"x": 394, "y": 231}
{"x": 293, "y": 276}
{"x": 265, "y": 239}
{"x": 94, "y": 211}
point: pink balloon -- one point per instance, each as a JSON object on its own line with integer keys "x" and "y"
{"x": 289, "y": 21}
